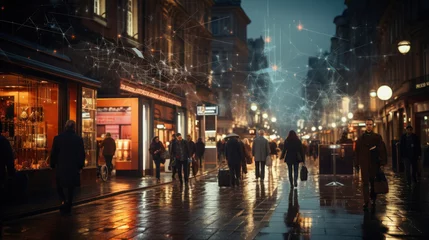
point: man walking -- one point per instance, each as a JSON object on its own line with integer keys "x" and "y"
{"x": 234, "y": 155}
{"x": 200, "y": 148}
{"x": 180, "y": 151}
{"x": 410, "y": 152}
{"x": 109, "y": 149}
{"x": 68, "y": 158}
{"x": 371, "y": 156}
{"x": 260, "y": 151}
{"x": 191, "y": 150}
{"x": 173, "y": 164}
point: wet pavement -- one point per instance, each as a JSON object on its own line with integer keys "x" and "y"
{"x": 254, "y": 210}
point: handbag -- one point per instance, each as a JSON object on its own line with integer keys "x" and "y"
{"x": 268, "y": 161}
{"x": 304, "y": 173}
{"x": 380, "y": 183}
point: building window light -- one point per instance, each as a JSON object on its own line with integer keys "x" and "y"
{"x": 130, "y": 18}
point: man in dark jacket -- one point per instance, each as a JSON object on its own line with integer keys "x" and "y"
{"x": 410, "y": 152}
{"x": 180, "y": 151}
{"x": 192, "y": 150}
{"x": 6, "y": 162}
{"x": 371, "y": 155}
{"x": 200, "y": 148}
{"x": 234, "y": 155}
{"x": 68, "y": 159}
{"x": 220, "y": 145}
{"x": 173, "y": 164}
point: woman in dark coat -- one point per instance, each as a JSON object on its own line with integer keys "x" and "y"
{"x": 156, "y": 149}
{"x": 293, "y": 154}
{"x": 68, "y": 158}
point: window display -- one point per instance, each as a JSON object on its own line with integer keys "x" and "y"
{"x": 117, "y": 122}
{"x": 88, "y": 125}
{"x": 29, "y": 119}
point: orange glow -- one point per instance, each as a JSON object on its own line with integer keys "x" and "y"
{"x": 275, "y": 68}
{"x": 300, "y": 27}
{"x": 268, "y": 39}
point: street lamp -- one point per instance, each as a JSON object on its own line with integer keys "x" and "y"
{"x": 313, "y": 129}
{"x": 320, "y": 127}
{"x": 350, "y": 115}
{"x": 273, "y": 119}
{"x": 384, "y": 93}
{"x": 253, "y": 107}
{"x": 404, "y": 47}
{"x": 344, "y": 119}
{"x": 373, "y": 93}
{"x": 334, "y": 125}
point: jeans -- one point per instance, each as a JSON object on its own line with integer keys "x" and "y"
{"x": 409, "y": 163}
{"x": 108, "y": 159}
{"x": 260, "y": 169}
{"x": 158, "y": 167}
{"x": 234, "y": 171}
{"x": 294, "y": 178}
{"x": 184, "y": 165}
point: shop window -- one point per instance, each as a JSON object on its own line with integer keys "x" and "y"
{"x": 117, "y": 122}
{"x": 29, "y": 119}
{"x": 88, "y": 125}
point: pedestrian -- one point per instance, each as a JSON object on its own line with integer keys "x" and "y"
{"x": 180, "y": 151}
{"x": 281, "y": 144}
{"x": 156, "y": 149}
{"x": 243, "y": 159}
{"x": 200, "y": 148}
{"x": 273, "y": 151}
{"x": 260, "y": 151}
{"x": 109, "y": 149}
{"x": 7, "y": 170}
{"x": 173, "y": 164}
{"x": 68, "y": 159}
{"x": 220, "y": 146}
{"x": 234, "y": 155}
{"x": 247, "y": 151}
{"x": 371, "y": 156}
{"x": 344, "y": 139}
{"x": 191, "y": 150}
{"x": 293, "y": 154}
{"x": 411, "y": 152}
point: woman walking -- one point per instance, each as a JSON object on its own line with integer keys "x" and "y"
{"x": 293, "y": 154}
{"x": 156, "y": 149}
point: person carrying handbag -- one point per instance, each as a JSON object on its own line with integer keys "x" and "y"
{"x": 156, "y": 149}
{"x": 293, "y": 154}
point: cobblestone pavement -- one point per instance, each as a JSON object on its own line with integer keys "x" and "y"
{"x": 255, "y": 210}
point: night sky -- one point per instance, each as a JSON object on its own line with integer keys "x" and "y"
{"x": 289, "y": 48}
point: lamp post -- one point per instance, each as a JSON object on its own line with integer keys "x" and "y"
{"x": 384, "y": 93}
{"x": 404, "y": 47}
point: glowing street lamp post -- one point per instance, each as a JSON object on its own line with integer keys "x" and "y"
{"x": 384, "y": 93}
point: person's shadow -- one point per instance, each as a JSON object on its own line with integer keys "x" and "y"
{"x": 291, "y": 217}
{"x": 372, "y": 227}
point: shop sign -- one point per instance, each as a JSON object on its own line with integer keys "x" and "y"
{"x": 207, "y": 110}
{"x": 150, "y": 94}
{"x": 112, "y": 119}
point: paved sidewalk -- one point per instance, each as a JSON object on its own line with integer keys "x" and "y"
{"x": 42, "y": 202}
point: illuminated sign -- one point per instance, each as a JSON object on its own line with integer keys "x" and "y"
{"x": 150, "y": 94}
{"x": 207, "y": 110}
{"x": 422, "y": 85}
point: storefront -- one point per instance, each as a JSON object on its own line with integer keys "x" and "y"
{"x": 133, "y": 117}
{"x": 36, "y": 99}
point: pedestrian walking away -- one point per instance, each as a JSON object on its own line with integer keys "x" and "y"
{"x": 68, "y": 159}
{"x": 273, "y": 152}
{"x": 180, "y": 151}
{"x": 109, "y": 149}
{"x": 173, "y": 165}
{"x": 411, "y": 151}
{"x": 293, "y": 154}
{"x": 260, "y": 151}
{"x": 234, "y": 156}
{"x": 191, "y": 150}
{"x": 200, "y": 148}
{"x": 371, "y": 156}
{"x": 156, "y": 149}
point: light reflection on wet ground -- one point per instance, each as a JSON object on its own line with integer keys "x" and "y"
{"x": 261, "y": 210}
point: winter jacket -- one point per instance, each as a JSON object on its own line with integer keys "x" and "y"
{"x": 291, "y": 150}
{"x": 415, "y": 152}
{"x": 370, "y": 160}
{"x": 191, "y": 148}
{"x": 180, "y": 150}
{"x": 157, "y": 147}
{"x": 200, "y": 148}
{"x": 234, "y": 151}
{"x": 109, "y": 146}
{"x": 260, "y": 149}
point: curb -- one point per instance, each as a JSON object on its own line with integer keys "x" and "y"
{"x": 92, "y": 199}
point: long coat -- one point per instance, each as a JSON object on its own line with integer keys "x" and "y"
{"x": 416, "y": 150}
{"x": 370, "y": 160}
{"x": 200, "y": 148}
{"x": 260, "y": 149}
{"x": 183, "y": 144}
{"x": 290, "y": 151}
{"x": 68, "y": 158}
{"x": 234, "y": 151}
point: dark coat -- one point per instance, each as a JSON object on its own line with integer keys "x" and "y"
{"x": 68, "y": 158}
{"x": 345, "y": 141}
{"x": 290, "y": 151}
{"x": 6, "y": 160}
{"x": 370, "y": 160}
{"x": 109, "y": 146}
{"x": 157, "y": 147}
{"x": 234, "y": 151}
{"x": 273, "y": 148}
{"x": 191, "y": 148}
{"x": 416, "y": 149}
{"x": 175, "y": 150}
{"x": 200, "y": 148}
